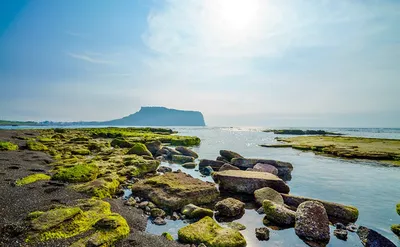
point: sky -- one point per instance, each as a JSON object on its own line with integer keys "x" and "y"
{"x": 315, "y": 63}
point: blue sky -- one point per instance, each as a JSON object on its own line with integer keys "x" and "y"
{"x": 253, "y": 62}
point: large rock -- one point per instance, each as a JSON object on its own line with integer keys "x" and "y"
{"x": 284, "y": 168}
{"x": 312, "y": 223}
{"x": 336, "y": 211}
{"x": 208, "y": 232}
{"x": 226, "y": 167}
{"x": 186, "y": 151}
{"x": 229, "y": 207}
{"x": 259, "y": 167}
{"x": 247, "y": 182}
{"x": 193, "y": 211}
{"x": 139, "y": 149}
{"x": 167, "y": 151}
{"x": 175, "y": 190}
{"x": 229, "y": 155}
{"x": 268, "y": 194}
{"x": 215, "y": 164}
{"x": 371, "y": 238}
{"x": 153, "y": 147}
{"x": 278, "y": 214}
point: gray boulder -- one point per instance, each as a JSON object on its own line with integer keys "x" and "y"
{"x": 216, "y": 165}
{"x": 259, "y": 167}
{"x": 268, "y": 194}
{"x": 247, "y": 182}
{"x": 312, "y": 223}
{"x": 227, "y": 166}
{"x": 284, "y": 168}
{"x": 229, "y": 207}
{"x": 277, "y": 214}
{"x": 186, "y": 151}
{"x": 229, "y": 155}
{"x": 153, "y": 147}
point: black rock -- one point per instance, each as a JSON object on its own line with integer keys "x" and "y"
{"x": 262, "y": 233}
{"x": 340, "y": 234}
{"x": 371, "y": 238}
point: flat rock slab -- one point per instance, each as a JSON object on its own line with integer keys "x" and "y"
{"x": 175, "y": 190}
{"x": 284, "y": 168}
{"x": 343, "y": 213}
{"x": 247, "y": 181}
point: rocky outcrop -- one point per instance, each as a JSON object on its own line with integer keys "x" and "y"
{"x": 277, "y": 214}
{"x": 336, "y": 211}
{"x": 153, "y": 147}
{"x": 268, "y": 194}
{"x": 312, "y": 223}
{"x": 208, "y": 232}
{"x": 371, "y": 238}
{"x": 247, "y": 182}
{"x": 174, "y": 190}
{"x": 229, "y": 155}
{"x": 186, "y": 151}
{"x": 229, "y": 207}
{"x": 284, "y": 168}
{"x": 215, "y": 164}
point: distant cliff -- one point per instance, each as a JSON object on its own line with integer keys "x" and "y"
{"x": 160, "y": 116}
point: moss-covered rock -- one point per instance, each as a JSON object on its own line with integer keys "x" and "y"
{"x": 189, "y": 165}
{"x": 192, "y": 211}
{"x": 229, "y": 155}
{"x": 77, "y": 173}
{"x": 121, "y": 142}
{"x": 396, "y": 229}
{"x": 268, "y": 194}
{"x": 181, "y": 159}
{"x": 80, "y": 139}
{"x": 207, "y": 231}
{"x": 278, "y": 214}
{"x": 8, "y": 146}
{"x": 398, "y": 208}
{"x": 168, "y": 236}
{"x": 36, "y": 146}
{"x": 32, "y": 178}
{"x": 101, "y": 187}
{"x": 236, "y": 226}
{"x": 184, "y": 140}
{"x": 157, "y": 212}
{"x": 92, "y": 216}
{"x": 138, "y": 166}
{"x": 175, "y": 190}
{"x": 80, "y": 151}
{"x": 139, "y": 149}
{"x": 229, "y": 207}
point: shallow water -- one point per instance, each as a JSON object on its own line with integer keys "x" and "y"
{"x": 372, "y": 188}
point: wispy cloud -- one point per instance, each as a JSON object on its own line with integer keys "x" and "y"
{"x": 91, "y": 59}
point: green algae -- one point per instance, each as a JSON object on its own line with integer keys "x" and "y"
{"x": 207, "y": 231}
{"x": 87, "y": 215}
{"x": 278, "y": 214}
{"x": 396, "y": 229}
{"x": 398, "y": 208}
{"x": 80, "y": 151}
{"x": 36, "y": 146}
{"x": 101, "y": 187}
{"x": 8, "y": 146}
{"x": 77, "y": 173}
{"x": 32, "y": 178}
{"x": 138, "y": 166}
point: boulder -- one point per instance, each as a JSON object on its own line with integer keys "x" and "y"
{"x": 213, "y": 163}
{"x": 259, "y": 167}
{"x": 139, "y": 149}
{"x": 336, "y": 211}
{"x": 206, "y": 171}
{"x": 192, "y": 211}
{"x": 262, "y": 233}
{"x": 312, "y": 223}
{"x": 167, "y": 151}
{"x": 189, "y": 165}
{"x": 157, "y": 212}
{"x": 208, "y": 232}
{"x": 227, "y": 166}
{"x": 229, "y": 207}
{"x": 284, "y": 168}
{"x": 396, "y": 229}
{"x": 247, "y": 182}
{"x": 153, "y": 147}
{"x": 187, "y": 152}
{"x": 175, "y": 190}
{"x": 220, "y": 158}
{"x": 159, "y": 221}
{"x": 268, "y": 194}
{"x": 372, "y": 238}
{"x": 181, "y": 159}
{"x": 278, "y": 214}
{"x": 121, "y": 142}
{"x": 236, "y": 226}
{"x": 229, "y": 155}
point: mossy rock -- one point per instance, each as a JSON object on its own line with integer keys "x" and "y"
{"x": 278, "y": 214}
{"x": 207, "y": 231}
{"x": 79, "y": 139}
{"x": 32, "y": 178}
{"x": 86, "y": 216}
{"x": 181, "y": 159}
{"x": 139, "y": 149}
{"x": 157, "y": 212}
{"x": 47, "y": 140}
{"x": 8, "y": 146}
{"x": 398, "y": 208}
{"x": 101, "y": 187}
{"x": 396, "y": 229}
{"x": 77, "y": 173}
{"x": 184, "y": 141}
{"x": 36, "y": 146}
{"x": 193, "y": 211}
{"x": 138, "y": 166}
{"x": 168, "y": 236}
{"x": 268, "y": 194}
{"x": 121, "y": 142}
{"x": 237, "y": 226}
